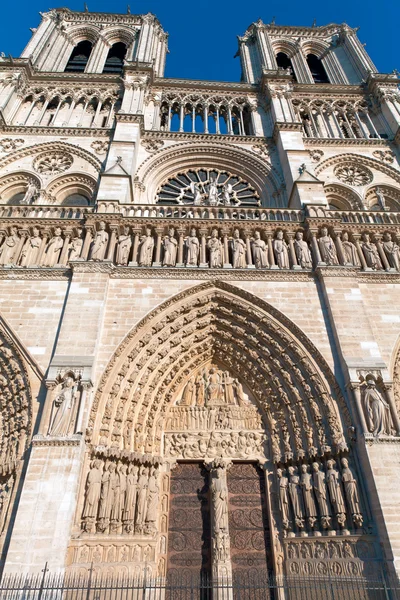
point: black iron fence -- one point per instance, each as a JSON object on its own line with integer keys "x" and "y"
{"x": 244, "y": 587}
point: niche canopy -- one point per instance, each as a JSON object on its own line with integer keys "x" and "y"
{"x": 207, "y": 187}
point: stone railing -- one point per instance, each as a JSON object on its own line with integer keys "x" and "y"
{"x": 355, "y": 216}
{"x": 44, "y": 212}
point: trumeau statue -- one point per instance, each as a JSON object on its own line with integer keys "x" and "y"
{"x": 8, "y": 251}
{"x": 75, "y": 247}
{"x": 99, "y": 244}
{"x": 192, "y": 249}
{"x": 351, "y": 492}
{"x": 53, "y": 249}
{"x": 65, "y": 404}
{"x": 124, "y": 247}
{"x": 392, "y": 251}
{"x": 30, "y": 251}
{"x": 238, "y": 251}
{"x": 216, "y": 250}
{"x": 170, "y": 244}
{"x": 146, "y": 249}
{"x": 371, "y": 253}
{"x": 219, "y": 497}
{"x": 327, "y": 248}
{"x": 349, "y": 251}
{"x": 259, "y": 251}
{"x": 318, "y": 479}
{"x": 302, "y": 250}
{"x": 281, "y": 251}
{"x": 377, "y": 410}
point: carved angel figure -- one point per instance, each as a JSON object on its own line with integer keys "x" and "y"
{"x": 64, "y": 408}
{"x": 377, "y": 410}
{"x": 259, "y": 251}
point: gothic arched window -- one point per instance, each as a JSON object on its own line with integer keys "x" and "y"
{"x": 284, "y": 62}
{"x": 79, "y": 57}
{"x": 115, "y": 58}
{"x": 317, "y": 69}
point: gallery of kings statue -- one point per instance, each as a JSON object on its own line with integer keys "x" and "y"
{"x": 199, "y": 307}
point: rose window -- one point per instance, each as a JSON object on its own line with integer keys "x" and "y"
{"x": 207, "y": 187}
{"x": 353, "y": 175}
{"x": 51, "y": 164}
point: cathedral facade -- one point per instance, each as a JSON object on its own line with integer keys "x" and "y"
{"x": 199, "y": 306}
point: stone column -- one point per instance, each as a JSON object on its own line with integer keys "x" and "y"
{"x": 181, "y": 233}
{"x": 315, "y": 249}
{"x": 249, "y": 258}
{"x": 383, "y": 257}
{"x": 136, "y": 232}
{"x": 271, "y": 256}
{"x": 64, "y": 252}
{"x": 388, "y": 387}
{"x": 356, "y": 238}
{"x": 292, "y": 252}
{"x": 157, "y": 262}
{"x": 227, "y": 264}
{"x": 203, "y": 261}
{"x": 355, "y": 388}
{"x": 87, "y": 242}
{"x": 45, "y": 237}
{"x": 111, "y": 245}
{"x": 339, "y": 248}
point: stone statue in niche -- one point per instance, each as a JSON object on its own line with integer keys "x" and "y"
{"x": 283, "y": 497}
{"x": 141, "y": 504}
{"x": 109, "y": 483}
{"x": 219, "y": 499}
{"x": 335, "y": 493}
{"x": 197, "y": 193}
{"x": 327, "y": 248}
{"x": 170, "y": 244}
{"x": 238, "y": 251}
{"x": 295, "y": 497}
{"x": 192, "y": 249}
{"x": 381, "y": 198}
{"x": 281, "y": 251}
{"x": 213, "y": 192}
{"x": 153, "y": 493}
{"x": 30, "y": 251}
{"x": 92, "y": 496}
{"x": 30, "y": 194}
{"x": 118, "y": 500}
{"x": 130, "y": 498}
{"x": 99, "y": 244}
{"x": 318, "y": 478}
{"x": 227, "y": 190}
{"x": 216, "y": 250}
{"x": 8, "y": 251}
{"x": 308, "y": 496}
{"x": 260, "y": 255}
{"x": 53, "y": 250}
{"x": 146, "y": 249}
{"x": 349, "y": 251}
{"x": 371, "y": 253}
{"x": 302, "y": 250}
{"x": 351, "y": 493}
{"x": 75, "y": 247}
{"x": 124, "y": 247}
{"x": 392, "y": 251}
{"x": 377, "y": 410}
{"x": 64, "y": 408}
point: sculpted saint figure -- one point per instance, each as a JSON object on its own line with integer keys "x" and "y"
{"x": 146, "y": 249}
{"x": 371, "y": 253}
{"x": 119, "y": 497}
{"x": 30, "y": 193}
{"x": 283, "y": 497}
{"x": 226, "y": 194}
{"x": 214, "y": 388}
{"x": 192, "y": 249}
{"x": 197, "y": 194}
{"x": 213, "y": 192}
{"x": 92, "y": 497}
{"x": 302, "y": 250}
{"x": 64, "y": 405}
{"x": 327, "y": 248}
{"x": 200, "y": 390}
{"x": 8, "y": 251}
{"x": 295, "y": 497}
{"x": 141, "y": 503}
{"x": 335, "y": 492}
{"x": 30, "y": 251}
{"x": 349, "y": 251}
{"x": 219, "y": 496}
{"x": 216, "y": 250}
{"x": 319, "y": 486}
{"x": 75, "y": 247}
{"x": 130, "y": 498}
{"x": 238, "y": 251}
{"x": 281, "y": 251}
{"x": 308, "y": 497}
{"x": 124, "y": 247}
{"x": 53, "y": 249}
{"x": 189, "y": 393}
{"x": 99, "y": 244}
{"x": 351, "y": 493}
{"x": 170, "y": 247}
{"x": 109, "y": 484}
{"x": 377, "y": 410}
{"x": 259, "y": 251}
{"x": 392, "y": 251}
{"x": 152, "y": 501}
{"x": 381, "y": 198}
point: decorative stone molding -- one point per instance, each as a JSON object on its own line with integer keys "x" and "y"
{"x": 51, "y": 148}
{"x": 48, "y": 440}
{"x": 8, "y": 144}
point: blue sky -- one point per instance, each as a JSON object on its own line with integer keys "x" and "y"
{"x": 203, "y": 34}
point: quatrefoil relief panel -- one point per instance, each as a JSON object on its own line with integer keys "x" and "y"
{"x": 52, "y": 164}
{"x": 353, "y": 175}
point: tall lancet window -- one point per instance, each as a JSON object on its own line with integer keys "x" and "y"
{"x": 317, "y": 69}
{"x": 79, "y": 57}
{"x": 115, "y": 58}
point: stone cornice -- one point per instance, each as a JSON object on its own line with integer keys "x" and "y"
{"x": 329, "y": 89}
{"x": 202, "y": 137}
{"x": 344, "y": 142}
{"x": 48, "y": 440}
{"x": 62, "y": 131}
{"x": 33, "y": 75}
{"x": 285, "y": 126}
{"x": 209, "y": 86}
{"x": 27, "y": 273}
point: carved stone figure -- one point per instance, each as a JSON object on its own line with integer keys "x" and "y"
{"x": 109, "y": 484}
{"x": 141, "y": 505}
{"x": 319, "y": 486}
{"x": 281, "y": 251}
{"x": 260, "y": 255}
{"x": 351, "y": 493}
{"x": 349, "y": 251}
{"x": 75, "y": 247}
{"x": 92, "y": 496}
{"x": 153, "y": 493}
{"x": 53, "y": 250}
{"x": 216, "y": 250}
{"x": 8, "y": 251}
{"x": 197, "y": 193}
{"x": 377, "y": 410}
{"x": 295, "y": 497}
{"x": 392, "y": 251}
{"x": 327, "y": 248}
{"x": 189, "y": 393}
{"x": 124, "y": 247}
{"x": 64, "y": 408}
{"x": 381, "y": 198}
{"x": 146, "y": 249}
{"x": 335, "y": 492}
{"x": 170, "y": 244}
{"x": 30, "y": 251}
{"x": 226, "y": 194}
{"x": 283, "y": 497}
{"x": 6, "y": 490}
{"x": 213, "y": 192}
{"x": 214, "y": 388}
{"x": 219, "y": 498}
{"x": 192, "y": 249}
{"x": 308, "y": 496}
{"x": 99, "y": 244}
{"x": 371, "y": 253}
{"x": 302, "y": 250}
{"x": 130, "y": 498}
{"x": 238, "y": 251}
{"x": 30, "y": 194}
